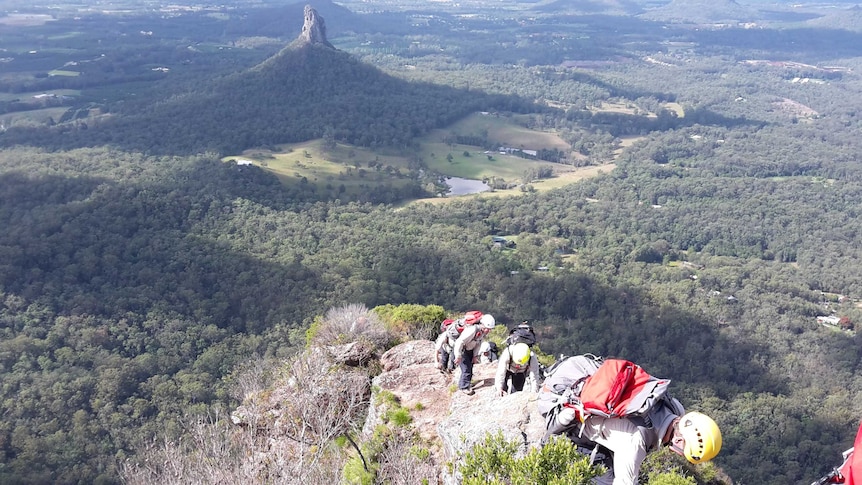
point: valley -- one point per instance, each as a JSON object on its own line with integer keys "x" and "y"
{"x": 186, "y": 189}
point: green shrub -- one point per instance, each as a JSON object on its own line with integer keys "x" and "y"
{"x": 411, "y": 321}
{"x": 664, "y": 467}
{"x": 355, "y": 473}
{"x": 313, "y": 330}
{"x": 399, "y": 417}
{"x": 558, "y": 463}
{"x": 671, "y": 478}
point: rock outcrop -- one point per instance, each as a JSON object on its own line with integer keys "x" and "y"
{"x": 318, "y": 388}
{"x": 313, "y": 28}
{"x": 455, "y": 422}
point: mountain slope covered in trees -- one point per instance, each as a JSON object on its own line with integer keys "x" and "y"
{"x": 135, "y": 284}
{"x": 129, "y": 296}
{"x": 303, "y": 92}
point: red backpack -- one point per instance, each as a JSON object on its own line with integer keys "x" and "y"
{"x": 621, "y": 388}
{"x": 458, "y": 326}
{"x": 612, "y": 388}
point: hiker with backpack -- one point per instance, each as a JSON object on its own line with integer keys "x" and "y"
{"x": 516, "y": 363}
{"x": 443, "y": 354}
{"x": 468, "y": 333}
{"x": 617, "y": 411}
{"x": 523, "y": 333}
{"x": 488, "y": 352}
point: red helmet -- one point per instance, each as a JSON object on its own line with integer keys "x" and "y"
{"x": 445, "y": 324}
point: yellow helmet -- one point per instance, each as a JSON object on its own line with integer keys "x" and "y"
{"x": 520, "y": 353}
{"x": 702, "y": 437}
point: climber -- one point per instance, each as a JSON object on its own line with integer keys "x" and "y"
{"x": 513, "y": 367}
{"x": 576, "y": 398}
{"x": 464, "y": 347}
{"x": 488, "y": 352}
{"x": 443, "y": 355}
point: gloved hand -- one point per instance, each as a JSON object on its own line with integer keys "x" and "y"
{"x": 502, "y": 392}
{"x": 475, "y": 360}
{"x": 458, "y": 361}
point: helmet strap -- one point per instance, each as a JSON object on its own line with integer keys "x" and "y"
{"x": 675, "y": 438}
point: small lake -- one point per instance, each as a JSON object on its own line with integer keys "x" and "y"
{"x": 459, "y": 186}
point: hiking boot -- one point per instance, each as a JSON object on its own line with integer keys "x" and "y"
{"x": 468, "y": 391}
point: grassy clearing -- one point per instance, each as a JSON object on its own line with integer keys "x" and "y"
{"x": 544, "y": 185}
{"x": 506, "y": 130}
{"x": 677, "y": 108}
{"x": 61, "y": 72}
{"x": 342, "y": 169}
{"x": 626, "y": 142}
{"x": 470, "y": 162}
{"x": 630, "y": 109}
{"x": 606, "y": 107}
{"x": 351, "y": 169}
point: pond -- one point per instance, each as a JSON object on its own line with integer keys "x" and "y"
{"x": 459, "y": 186}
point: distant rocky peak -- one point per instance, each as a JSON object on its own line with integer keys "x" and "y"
{"x": 314, "y": 29}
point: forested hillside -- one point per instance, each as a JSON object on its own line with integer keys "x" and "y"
{"x": 301, "y": 93}
{"x": 139, "y": 273}
{"x": 130, "y": 296}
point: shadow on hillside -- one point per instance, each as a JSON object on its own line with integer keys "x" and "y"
{"x": 580, "y": 316}
{"x": 183, "y": 247}
{"x": 92, "y": 246}
{"x": 805, "y": 42}
{"x": 623, "y": 124}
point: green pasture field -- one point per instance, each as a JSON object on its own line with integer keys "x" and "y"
{"x": 328, "y": 168}
{"x": 60, "y": 72}
{"x": 506, "y": 130}
{"x": 356, "y": 168}
{"x": 477, "y": 165}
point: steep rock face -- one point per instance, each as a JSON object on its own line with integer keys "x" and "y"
{"x": 452, "y": 420}
{"x": 313, "y": 28}
{"x": 410, "y": 374}
{"x": 447, "y": 421}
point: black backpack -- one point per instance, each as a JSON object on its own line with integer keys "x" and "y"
{"x": 523, "y": 333}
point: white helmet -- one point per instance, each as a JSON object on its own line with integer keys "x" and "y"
{"x": 487, "y": 321}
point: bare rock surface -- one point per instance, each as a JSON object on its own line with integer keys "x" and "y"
{"x": 452, "y": 420}
{"x": 313, "y": 28}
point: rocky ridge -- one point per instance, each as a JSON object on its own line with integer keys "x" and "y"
{"x": 454, "y": 421}
{"x": 448, "y": 422}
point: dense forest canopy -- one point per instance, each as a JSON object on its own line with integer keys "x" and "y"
{"x": 138, "y": 272}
